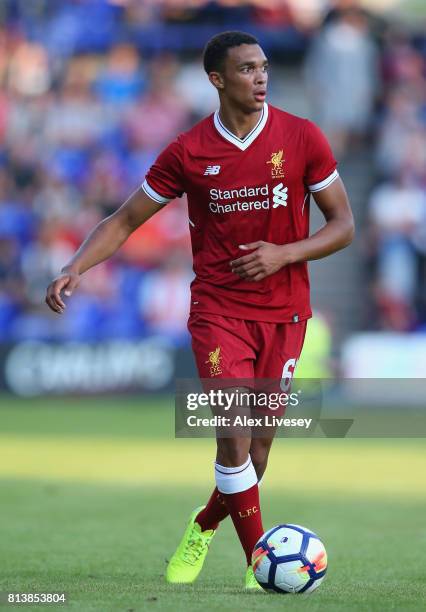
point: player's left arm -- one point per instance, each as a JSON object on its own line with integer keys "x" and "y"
{"x": 336, "y": 234}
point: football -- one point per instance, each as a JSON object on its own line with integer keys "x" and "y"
{"x": 289, "y": 559}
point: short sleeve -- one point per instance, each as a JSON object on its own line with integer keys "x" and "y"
{"x": 320, "y": 169}
{"x": 164, "y": 180}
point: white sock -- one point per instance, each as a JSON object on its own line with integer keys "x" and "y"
{"x": 235, "y": 479}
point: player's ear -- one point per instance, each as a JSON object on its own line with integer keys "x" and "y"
{"x": 216, "y": 79}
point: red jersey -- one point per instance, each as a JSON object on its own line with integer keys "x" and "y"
{"x": 241, "y": 191}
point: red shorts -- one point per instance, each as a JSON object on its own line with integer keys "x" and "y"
{"x": 225, "y": 347}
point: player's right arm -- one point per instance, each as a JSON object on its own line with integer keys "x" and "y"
{"x": 102, "y": 242}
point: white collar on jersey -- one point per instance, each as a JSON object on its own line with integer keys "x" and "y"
{"x": 242, "y": 143}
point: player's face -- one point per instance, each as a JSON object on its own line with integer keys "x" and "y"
{"x": 245, "y": 77}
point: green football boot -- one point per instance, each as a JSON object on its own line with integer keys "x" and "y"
{"x": 251, "y": 582}
{"x": 188, "y": 560}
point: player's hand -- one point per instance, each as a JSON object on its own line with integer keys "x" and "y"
{"x": 66, "y": 282}
{"x": 266, "y": 259}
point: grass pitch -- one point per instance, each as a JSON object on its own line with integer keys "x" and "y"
{"x": 95, "y": 496}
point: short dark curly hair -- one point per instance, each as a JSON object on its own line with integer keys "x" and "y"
{"x": 217, "y": 47}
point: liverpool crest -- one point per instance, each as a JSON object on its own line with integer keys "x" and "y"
{"x": 214, "y": 361}
{"x": 277, "y": 164}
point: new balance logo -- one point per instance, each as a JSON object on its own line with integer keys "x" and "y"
{"x": 280, "y": 195}
{"x": 212, "y": 170}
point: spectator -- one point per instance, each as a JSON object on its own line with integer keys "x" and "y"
{"x": 341, "y": 73}
{"x": 163, "y": 297}
{"x": 398, "y": 217}
{"x": 122, "y": 80}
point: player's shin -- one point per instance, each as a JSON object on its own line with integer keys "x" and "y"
{"x": 239, "y": 488}
{"x": 215, "y": 511}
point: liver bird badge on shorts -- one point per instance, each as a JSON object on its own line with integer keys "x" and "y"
{"x": 214, "y": 361}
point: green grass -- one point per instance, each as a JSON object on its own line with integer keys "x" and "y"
{"x": 95, "y": 495}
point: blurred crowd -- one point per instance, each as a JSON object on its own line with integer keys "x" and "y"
{"x": 396, "y": 237}
{"x": 86, "y": 104}
{"x": 367, "y": 81}
{"x": 73, "y": 150}
{"x": 91, "y": 91}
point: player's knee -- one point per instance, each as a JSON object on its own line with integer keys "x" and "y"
{"x": 259, "y": 455}
{"x": 231, "y": 453}
{"x": 259, "y": 463}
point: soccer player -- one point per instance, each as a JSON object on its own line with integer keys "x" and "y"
{"x": 248, "y": 171}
